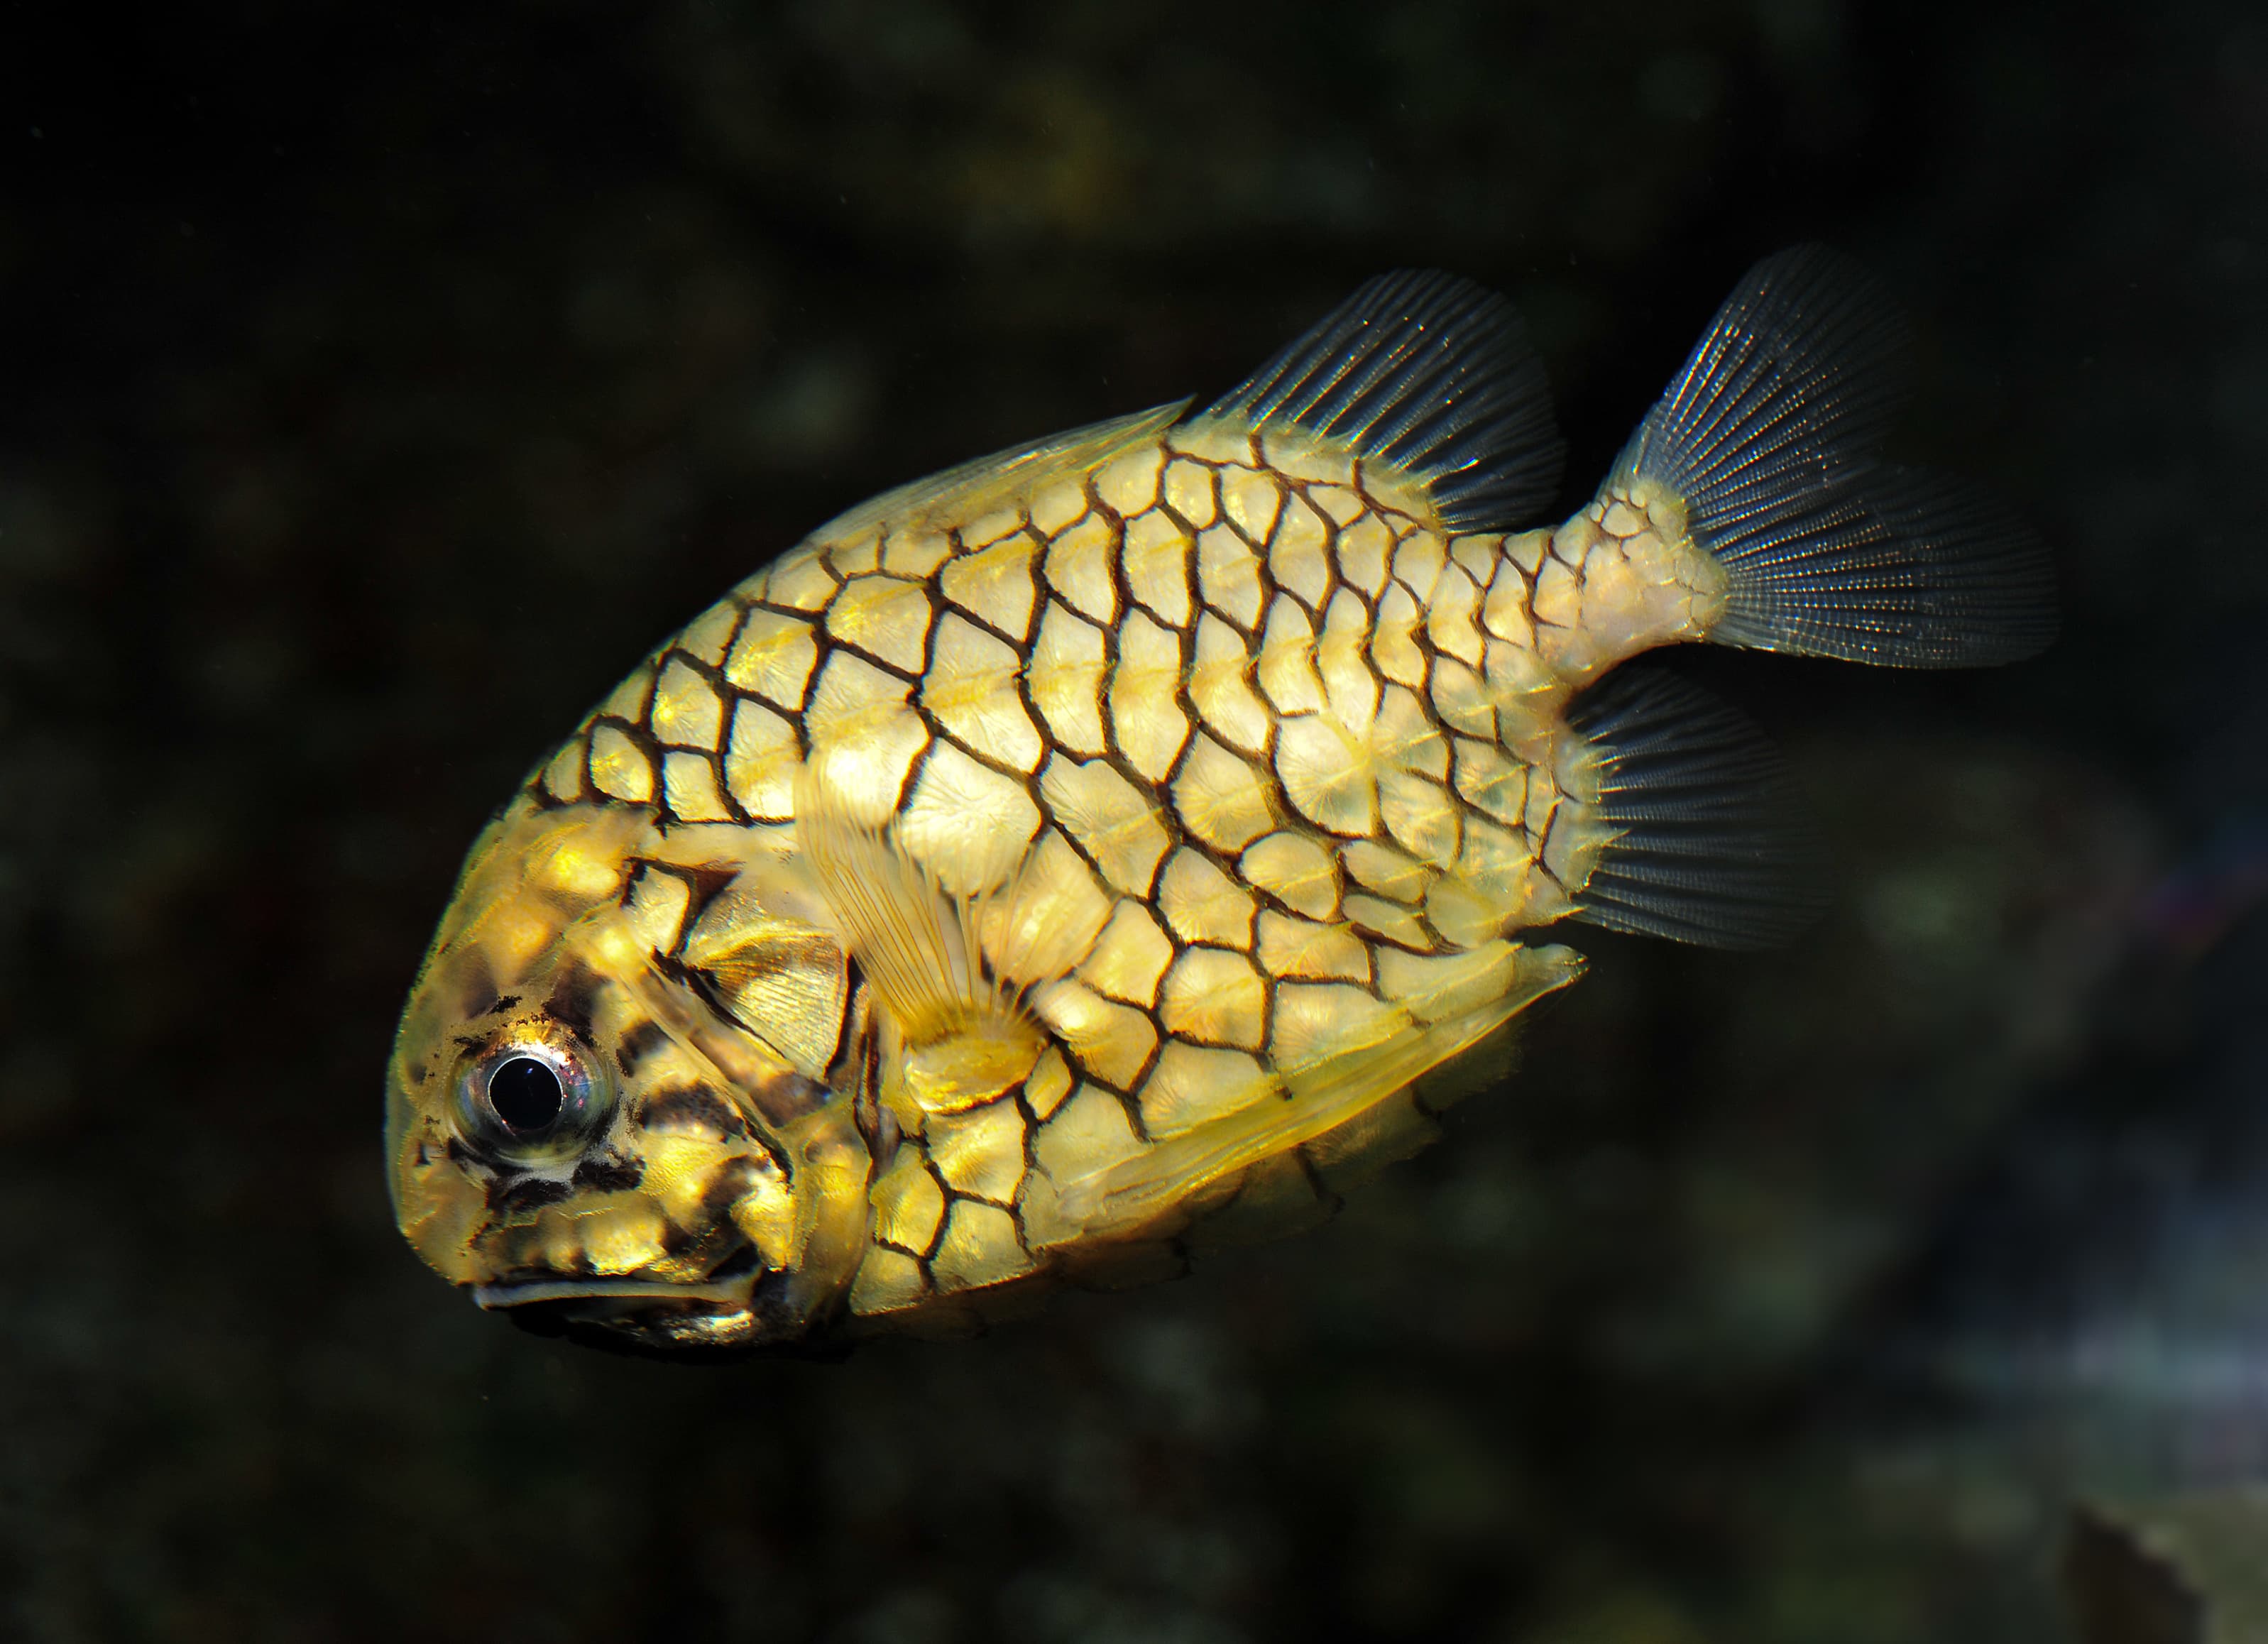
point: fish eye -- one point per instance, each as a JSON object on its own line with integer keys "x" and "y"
{"x": 525, "y": 1095}
{"x": 529, "y": 1098}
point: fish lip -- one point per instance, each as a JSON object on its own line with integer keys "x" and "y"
{"x": 494, "y": 1298}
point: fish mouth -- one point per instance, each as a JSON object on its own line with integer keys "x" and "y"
{"x": 527, "y": 1292}
{"x": 723, "y": 1315}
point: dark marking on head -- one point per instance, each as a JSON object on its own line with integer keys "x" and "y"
{"x": 787, "y": 1097}
{"x": 527, "y": 1192}
{"x": 574, "y": 998}
{"x": 638, "y": 1043}
{"x": 734, "y": 1180}
{"x": 693, "y": 1108}
{"x": 476, "y": 994}
{"x": 419, "y": 1071}
{"x": 509, "y": 1002}
{"x": 462, "y": 1155}
{"x": 609, "y": 1175}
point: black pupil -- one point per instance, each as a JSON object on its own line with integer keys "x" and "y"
{"x": 526, "y": 1093}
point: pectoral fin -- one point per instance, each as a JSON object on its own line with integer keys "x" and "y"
{"x": 967, "y": 1037}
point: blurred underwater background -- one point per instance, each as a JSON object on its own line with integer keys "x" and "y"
{"x": 377, "y": 383}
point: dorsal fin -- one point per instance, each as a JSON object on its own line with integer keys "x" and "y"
{"x": 1432, "y": 373}
{"x": 969, "y": 488}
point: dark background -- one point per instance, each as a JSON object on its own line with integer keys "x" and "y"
{"x": 377, "y": 381}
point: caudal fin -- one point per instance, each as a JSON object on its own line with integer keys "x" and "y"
{"x": 1769, "y": 438}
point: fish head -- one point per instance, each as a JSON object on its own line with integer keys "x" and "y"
{"x": 584, "y": 1133}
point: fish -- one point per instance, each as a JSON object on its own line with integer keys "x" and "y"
{"x": 1118, "y": 847}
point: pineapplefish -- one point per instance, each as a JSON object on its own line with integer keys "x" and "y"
{"x": 1104, "y": 851}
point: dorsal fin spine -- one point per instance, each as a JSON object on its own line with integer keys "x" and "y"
{"x": 1432, "y": 375}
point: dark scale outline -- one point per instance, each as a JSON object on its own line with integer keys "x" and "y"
{"x": 1189, "y": 566}
{"x": 817, "y": 630}
{"x": 1282, "y": 813}
{"x": 739, "y": 608}
{"x": 1423, "y": 637}
{"x": 1280, "y": 714}
{"x": 1416, "y": 632}
{"x": 1181, "y": 704}
{"x": 1212, "y": 466}
{"x": 1551, "y": 823}
{"x": 941, "y": 732}
{"x": 803, "y": 727}
{"x": 729, "y": 698}
{"x": 872, "y": 537}
{"x": 1035, "y": 573}
{"x": 1112, "y": 552}
{"x": 1265, "y": 583}
{"x": 929, "y": 625}
{"x": 666, "y": 813}
{"x": 746, "y": 817}
{"x": 1225, "y": 866}
{"x": 1296, "y": 490}
{"x": 710, "y": 674}
{"x": 1249, "y": 673}
{"x": 944, "y": 1194}
{"x": 1252, "y": 964}
{"x": 1057, "y": 740}
{"x": 1323, "y": 843}
{"x": 895, "y": 529}
{"x": 639, "y": 738}
{"x": 1032, "y": 1123}
{"x": 1148, "y": 908}
{"x": 953, "y": 1193}
{"x": 1440, "y": 671}
{"x": 1340, "y": 577}
{"x": 1475, "y": 806}
{"x": 1250, "y": 636}
{"x": 1367, "y": 982}
{"x": 838, "y": 646}
{"x": 1480, "y": 632}
{"x": 538, "y": 787}
{"x": 816, "y": 554}
{"x": 639, "y": 866}
{"x": 994, "y": 1286}
{"x": 1078, "y": 847}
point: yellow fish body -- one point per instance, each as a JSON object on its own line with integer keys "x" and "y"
{"x": 1081, "y": 857}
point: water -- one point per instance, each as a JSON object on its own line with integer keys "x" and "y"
{"x": 377, "y": 385}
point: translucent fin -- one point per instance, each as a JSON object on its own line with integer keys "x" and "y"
{"x": 895, "y": 920}
{"x": 1432, "y": 375}
{"x": 1711, "y": 846}
{"x": 1315, "y": 1097}
{"x": 969, "y": 488}
{"x": 1769, "y": 437}
{"x": 969, "y": 1038}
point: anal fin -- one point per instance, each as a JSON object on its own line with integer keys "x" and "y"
{"x": 1309, "y": 1101}
{"x": 1708, "y": 843}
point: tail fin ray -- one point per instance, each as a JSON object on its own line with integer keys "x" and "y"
{"x": 1769, "y": 438}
